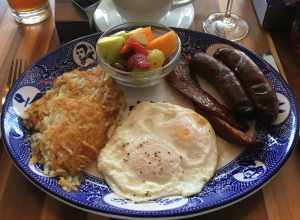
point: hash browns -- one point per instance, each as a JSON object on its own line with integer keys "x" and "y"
{"x": 72, "y": 122}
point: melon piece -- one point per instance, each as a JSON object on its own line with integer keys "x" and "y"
{"x": 139, "y": 35}
{"x": 167, "y": 43}
{"x": 122, "y": 34}
{"x": 148, "y": 32}
{"x": 109, "y": 48}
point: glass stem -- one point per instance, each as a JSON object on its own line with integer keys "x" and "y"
{"x": 228, "y": 8}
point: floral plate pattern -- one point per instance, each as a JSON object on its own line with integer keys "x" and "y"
{"x": 237, "y": 180}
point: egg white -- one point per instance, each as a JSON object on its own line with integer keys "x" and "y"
{"x": 159, "y": 150}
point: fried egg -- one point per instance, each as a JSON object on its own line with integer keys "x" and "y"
{"x": 159, "y": 150}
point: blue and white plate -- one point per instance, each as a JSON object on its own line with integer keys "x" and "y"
{"x": 240, "y": 178}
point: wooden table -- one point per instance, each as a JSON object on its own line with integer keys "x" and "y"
{"x": 19, "y": 199}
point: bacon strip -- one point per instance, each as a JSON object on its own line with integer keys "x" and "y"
{"x": 227, "y": 132}
{"x": 181, "y": 80}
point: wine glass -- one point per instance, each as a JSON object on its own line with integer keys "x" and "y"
{"x": 226, "y": 24}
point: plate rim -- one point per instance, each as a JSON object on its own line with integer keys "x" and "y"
{"x": 190, "y": 213}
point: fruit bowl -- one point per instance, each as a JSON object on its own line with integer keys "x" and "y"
{"x": 136, "y": 78}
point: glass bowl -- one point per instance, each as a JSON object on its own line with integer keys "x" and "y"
{"x": 140, "y": 78}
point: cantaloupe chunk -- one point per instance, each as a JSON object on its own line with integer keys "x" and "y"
{"x": 139, "y": 35}
{"x": 167, "y": 43}
{"x": 148, "y": 32}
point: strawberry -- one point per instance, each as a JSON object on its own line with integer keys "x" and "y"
{"x": 125, "y": 49}
{"x": 138, "y": 61}
{"x": 133, "y": 44}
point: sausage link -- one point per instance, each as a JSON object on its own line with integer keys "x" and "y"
{"x": 257, "y": 87}
{"x": 224, "y": 80}
{"x": 181, "y": 80}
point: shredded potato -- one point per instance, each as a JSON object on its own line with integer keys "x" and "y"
{"x": 72, "y": 122}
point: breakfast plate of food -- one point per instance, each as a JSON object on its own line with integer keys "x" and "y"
{"x": 150, "y": 122}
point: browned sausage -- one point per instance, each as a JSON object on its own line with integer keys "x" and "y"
{"x": 181, "y": 80}
{"x": 227, "y": 132}
{"x": 224, "y": 80}
{"x": 254, "y": 82}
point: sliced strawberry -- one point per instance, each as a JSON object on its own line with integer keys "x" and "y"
{"x": 133, "y": 44}
{"x": 138, "y": 61}
{"x": 126, "y": 49}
